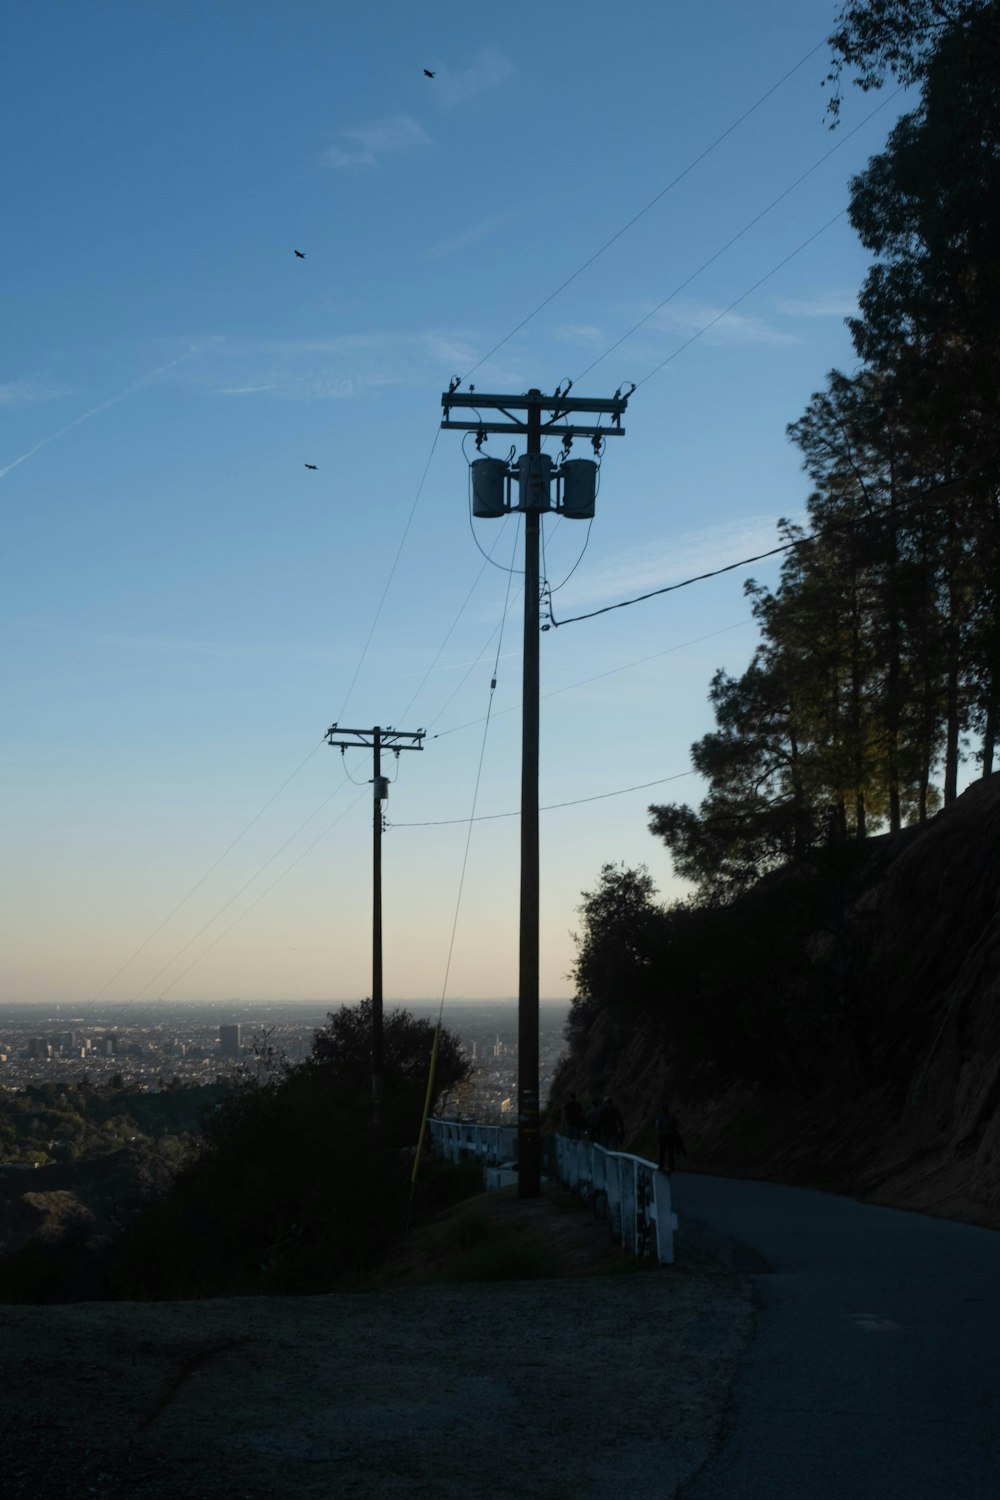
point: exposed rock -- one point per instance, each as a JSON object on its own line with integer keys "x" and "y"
{"x": 919, "y": 1128}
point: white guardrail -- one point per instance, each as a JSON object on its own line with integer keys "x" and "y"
{"x": 626, "y": 1190}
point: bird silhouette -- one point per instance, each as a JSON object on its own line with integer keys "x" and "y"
{"x": 312, "y": 466}
{"x": 300, "y": 254}
{"x": 428, "y": 73}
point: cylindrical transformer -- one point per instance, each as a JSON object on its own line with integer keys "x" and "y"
{"x": 381, "y": 784}
{"x": 534, "y": 481}
{"x": 488, "y": 476}
{"x": 579, "y": 477}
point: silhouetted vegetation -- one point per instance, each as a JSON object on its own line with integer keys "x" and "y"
{"x": 290, "y": 1190}
{"x": 285, "y": 1188}
{"x": 878, "y": 669}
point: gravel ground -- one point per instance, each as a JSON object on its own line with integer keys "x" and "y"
{"x": 583, "y": 1388}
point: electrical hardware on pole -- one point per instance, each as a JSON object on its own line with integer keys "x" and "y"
{"x": 493, "y": 490}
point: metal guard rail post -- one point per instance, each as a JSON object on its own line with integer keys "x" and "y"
{"x": 627, "y": 1190}
{"x": 457, "y": 1140}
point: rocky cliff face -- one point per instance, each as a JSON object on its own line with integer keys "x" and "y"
{"x": 922, "y": 1131}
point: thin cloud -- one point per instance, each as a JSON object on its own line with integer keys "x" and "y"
{"x": 488, "y": 70}
{"x": 689, "y": 316}
{"x": 30, "y": 390}
{"x": 672, "y": 559}
{"x": 365, "y": 145}
{"x": 474, "y": 235}
{"x": 822, "y": 305}
{"x": 342, "y": 368}
{"x": 585, "y": 335}
{"x": 88, "y": 636}
{"x": 85, "y": 416}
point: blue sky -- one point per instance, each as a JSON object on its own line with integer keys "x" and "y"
{"x": 185, "y": 607}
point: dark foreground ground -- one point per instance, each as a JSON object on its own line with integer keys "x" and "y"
{"x": 592, "y": 1382}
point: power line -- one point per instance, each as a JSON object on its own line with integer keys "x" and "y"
{"x": 651, "y": 204}
{"x": 492, "y": 636}
{"x": 245, "y": 886}
{"x": 392, "y": 572}
{"x": 199, "y": 883}
{"x": 256, "y": 902}
{"x": 802, "y": 541}
{"x": 611, "y": 672}
{"x": 730, "y": 242}
{"x": 475, "y": 796}
{"x": 452, "y": 627}
{"x": 742, "y": 298}
{"x": 551, "y": 806}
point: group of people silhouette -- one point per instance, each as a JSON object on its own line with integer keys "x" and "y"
{"x": 603, "y": 1124}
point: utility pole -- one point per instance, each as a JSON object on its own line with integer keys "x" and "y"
{"x": 376, "y": 740}
{"x": 492, "y": 486}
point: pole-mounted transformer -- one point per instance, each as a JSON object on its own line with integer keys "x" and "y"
{"x": 493, "y": 484}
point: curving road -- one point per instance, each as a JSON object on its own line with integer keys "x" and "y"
{"x": 874, "y": 1372}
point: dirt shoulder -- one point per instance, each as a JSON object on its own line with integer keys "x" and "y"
{"x": 584, "y": 1383}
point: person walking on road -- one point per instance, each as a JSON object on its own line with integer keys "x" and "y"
{"x": 668, "y": 1136}
{"x": 574, "y": 1117}
{"x": 594, "y": 1122}
{"x": 611, "y": 1126}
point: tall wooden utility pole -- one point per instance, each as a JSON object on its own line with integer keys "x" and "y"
{"x": 376, "y": 740}
{"x": 533, "y": 475}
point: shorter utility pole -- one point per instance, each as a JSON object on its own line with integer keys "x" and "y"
{"x": 376, "y": 740}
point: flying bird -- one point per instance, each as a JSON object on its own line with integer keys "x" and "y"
{"x": 428, "y": 73}
{"x": 312, "y": 466}
{"x": 300, "y": 254}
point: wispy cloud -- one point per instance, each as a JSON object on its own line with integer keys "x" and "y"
{"x": 31, "y": 389}
{"x": 488, "y": 70}
{"x": 365, "y": 145}
{"x": 687, "y": 315}
{"x": 474, "y": 235}
{"x": 85, "y": 416}
{"x": 671, "y": 559}
{"x": 254, "y": 649}
{"x": 584, "y": 335}
{"x": 822, "y": 305}
{"x": 341, "y": 368}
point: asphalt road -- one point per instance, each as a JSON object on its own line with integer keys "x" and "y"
{"x": 875, "y": 1367}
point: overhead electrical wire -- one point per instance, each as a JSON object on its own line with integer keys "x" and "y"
{"x": 742, "y": 298}
{"x": 432, "y": 1068}
{"x": 258, "y": 899}
{"x": 730, "y": 242}
{"x": 475, "y": 663}
{"x": 744, "y": 562}
{"x": 392, "y": 573}
{"x": 585, "y": 681}
{"x": 200, "y": 882}
{"x": 225, "y": 907}
{"x": 454, "y": 624}
{"x": 551, "y": 806}
{"x": 645, "y": 210}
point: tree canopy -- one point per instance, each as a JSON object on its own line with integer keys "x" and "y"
{"x": 878, "y": 668}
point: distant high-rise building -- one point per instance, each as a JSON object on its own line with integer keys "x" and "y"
{"x": 229, "y": 1040}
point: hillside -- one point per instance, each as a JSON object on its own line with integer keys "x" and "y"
{"x": 908, "y": 1115}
